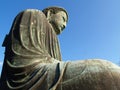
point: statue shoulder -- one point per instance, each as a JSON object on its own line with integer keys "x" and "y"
{"x": 32, "y": 10}
{"x": 28, "y": 13}
{"x": 35, "y": 11}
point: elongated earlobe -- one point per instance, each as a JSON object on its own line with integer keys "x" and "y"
{"x": 48, "y": 15}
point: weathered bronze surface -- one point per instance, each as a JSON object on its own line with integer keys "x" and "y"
{"x": 33, "y": 60}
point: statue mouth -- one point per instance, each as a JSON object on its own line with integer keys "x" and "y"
{"x": 62, "y": 27}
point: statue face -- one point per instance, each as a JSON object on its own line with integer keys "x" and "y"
{"x": 58, "y": 21}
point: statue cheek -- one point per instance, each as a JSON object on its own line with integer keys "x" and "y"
{"x": 57, "y": 21}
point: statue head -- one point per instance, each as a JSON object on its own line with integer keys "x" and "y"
{"x": 57, "y": 17}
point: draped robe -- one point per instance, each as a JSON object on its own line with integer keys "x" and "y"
{"x": 31, "y": 44}
{"x": 33, "y": 61}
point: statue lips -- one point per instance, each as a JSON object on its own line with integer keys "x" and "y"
{"x": 61, "y": 27}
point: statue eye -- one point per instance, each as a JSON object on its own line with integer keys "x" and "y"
{"x": 64, "y": 19}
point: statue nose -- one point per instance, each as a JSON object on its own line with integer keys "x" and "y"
{"x": 64, "y": 24}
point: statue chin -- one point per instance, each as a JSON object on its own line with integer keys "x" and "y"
{"x": 58, "y": 30}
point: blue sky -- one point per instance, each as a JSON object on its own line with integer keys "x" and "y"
{"x": 93, "y": 29}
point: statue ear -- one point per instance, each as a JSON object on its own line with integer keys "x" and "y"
{"x": 48, "y": 14}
